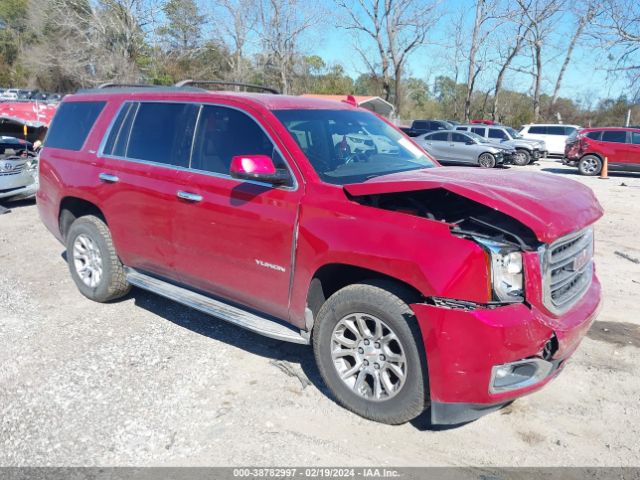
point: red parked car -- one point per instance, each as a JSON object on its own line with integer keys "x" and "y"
{"x": 588, "y": 148}
{"x": 417, "y": 285}
{"x": 484, "y": 122}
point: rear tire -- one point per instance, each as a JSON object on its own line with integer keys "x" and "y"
{"x": 522, "y": 158}
{"x": 369, "y": 351}
{"x": 487, "y": 160}
{"x": 93, "y": 262}
{"x": 590, "y": 165}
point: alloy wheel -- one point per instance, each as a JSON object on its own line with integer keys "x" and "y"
{"x": 589, "y": 165}
{"x": 368, "y": 356}
{"x": 87, "y": 260}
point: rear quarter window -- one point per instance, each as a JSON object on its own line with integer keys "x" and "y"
{"x": 538, "y": 130}
{"x": 614, "y": 136}
{"x": 556, "y": 131}
{"x": 594, "y": 135}
{"x": 72, "y": 123}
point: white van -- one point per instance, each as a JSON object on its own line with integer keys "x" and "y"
{"x": 554, "y": 135}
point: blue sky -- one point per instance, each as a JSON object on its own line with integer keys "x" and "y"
{"x": 586, "y": 77}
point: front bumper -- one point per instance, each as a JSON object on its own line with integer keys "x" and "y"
{"x": 463, "y": 346}
{"x": 21, "y": 185}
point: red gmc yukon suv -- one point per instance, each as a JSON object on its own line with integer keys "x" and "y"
{"x": 316, "y": 222}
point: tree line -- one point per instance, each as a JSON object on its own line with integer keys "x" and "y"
{"x": 63, "y": 45}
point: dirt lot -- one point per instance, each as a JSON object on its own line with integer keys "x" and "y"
{"x": 144, "y": 381}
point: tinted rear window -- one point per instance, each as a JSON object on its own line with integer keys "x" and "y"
{"x": 163, "y": 133}
{"x": 479, "y": 131}
{"x": 441, "y": 137}
{"x": 614, "y": 136}
{"x": 72, "y": 123}
{"x": 556, "y": 131}
{"x": 594, "y": 135}
{"x": 538, "y": 130}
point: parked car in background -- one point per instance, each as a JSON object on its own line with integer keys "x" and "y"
{"x": 484, "y": 122}
{"x": 18, "y": 174}
{"x": 420, "y": 127}
{"x": 587, "y": 149}
{"x": 418, "y": 286}
{"x": 10, "y": 94}
{"x": 554, "y": 135}
{"x": 15, "y": 145}
{"x": 465, "y": 148}
{"x": 527, "y": 151}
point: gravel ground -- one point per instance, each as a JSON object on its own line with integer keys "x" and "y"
{"x": 144, "y": 381}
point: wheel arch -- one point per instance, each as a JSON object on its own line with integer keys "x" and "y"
{"x": 593, "y": 154}
{"x": 72, "y": 208}
{"x": 330, "y": 278}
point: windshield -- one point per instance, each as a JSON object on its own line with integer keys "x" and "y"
{"x": 348, "y": 146}
{"x": 514, "y": 133}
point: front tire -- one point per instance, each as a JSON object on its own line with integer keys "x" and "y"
{"x": 487, "y": 160}
{"x": 523, "y": 157}
{"x": 368, "y": 349}
{"x": 93, "y": 262}
{"x": 590, "y": 165}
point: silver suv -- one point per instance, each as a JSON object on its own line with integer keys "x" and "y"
{"x": 527, "y": 150}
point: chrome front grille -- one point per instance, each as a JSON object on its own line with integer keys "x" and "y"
{"x": 567, "y": 270}
{"x": 14, "y": 171}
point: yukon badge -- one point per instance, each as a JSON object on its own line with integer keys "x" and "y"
{"x": 270, "y": 265}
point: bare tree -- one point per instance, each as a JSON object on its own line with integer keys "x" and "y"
{"x": 540, "y": 17}
{"x": 239, "y": 19}
{"x": 280, "y": 26}
{"x": 618, "y": 29}
{"x": 515, "y": 41}
{"x": 584, "y": 12}
{"x": 82, "y": 43}
{"x": 486, "y": 11}
{"x": 396, "y": 28}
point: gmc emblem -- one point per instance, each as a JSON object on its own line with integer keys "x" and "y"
{"x": 580, "y": 260}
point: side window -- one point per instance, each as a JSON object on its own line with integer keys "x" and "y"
{"x": 459, "y": 138}
{"x": 479, "y": 131}
{"x": 635, "y": 138}
{"x": 438, "y": 137}
{"x": 538, "y": 130}
{"x": 420, "y": 125}
{"x": 497, "y": 133}
{"x": 570, "y": 130}
{"x": 163, "y": 132}
{"x": 594, "y": 135}
{"x": 555, "y": 131}
{"x": 116, "y": 143}
{"x": 614, "y": 136}
{"x": 464, "y": 129}
{"x": 223, "y": 133}
{"x": 72, "y": 123}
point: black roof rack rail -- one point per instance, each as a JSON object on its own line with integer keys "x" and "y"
{"x": 185, "y": 83}
{"x": 117, "y": 85}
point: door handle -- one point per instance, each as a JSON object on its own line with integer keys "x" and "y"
{"x": 106, "y": 177}
{"x": 191, "y": 197}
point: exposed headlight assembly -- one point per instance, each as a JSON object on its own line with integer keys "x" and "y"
{"x": 507, "y": 272}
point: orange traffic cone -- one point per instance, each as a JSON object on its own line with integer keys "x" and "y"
{"x": 604, "y": 172}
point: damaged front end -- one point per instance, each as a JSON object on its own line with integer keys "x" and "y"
{"x": 503, "y": 238}
{"x": 482, "y": 355}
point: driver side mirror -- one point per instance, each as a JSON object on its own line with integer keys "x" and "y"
{"x": 259, "y": 168}
{"x": 470, "y": 142}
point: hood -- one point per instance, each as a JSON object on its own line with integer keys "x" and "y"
{"x": 550, "y": 205}
{"x": 529, "y": 141}
{"x": 518, "y": 142}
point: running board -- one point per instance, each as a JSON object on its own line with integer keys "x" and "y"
{"x": 216, "y": 308}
